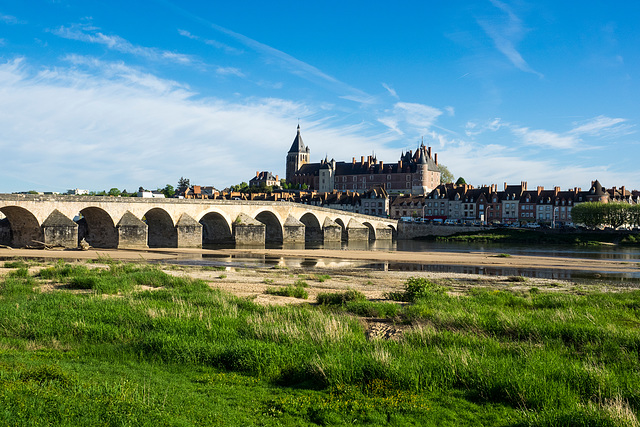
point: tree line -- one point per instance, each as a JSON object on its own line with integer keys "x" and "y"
{"x": 597, "y": 214}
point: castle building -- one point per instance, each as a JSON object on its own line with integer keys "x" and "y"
{"x": 414, "y": 173}
{"x": 297, "y": 156}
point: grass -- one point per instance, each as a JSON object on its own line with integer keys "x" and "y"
{"x": 173, "y": 351}
{"x": 289, "y": 291}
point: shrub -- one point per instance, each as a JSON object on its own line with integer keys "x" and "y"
{"x": 289, "y": 291}
{"x": 339, "y": 298}
{"x": 416, "y": 288}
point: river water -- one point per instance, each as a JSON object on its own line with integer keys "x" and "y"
{"x": 629, "y": 255}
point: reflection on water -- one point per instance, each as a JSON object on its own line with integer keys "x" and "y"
{"x": 628, "y": 254}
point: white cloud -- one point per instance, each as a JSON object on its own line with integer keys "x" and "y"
{"x": 544, "y": 138}
{"x": 505, "y": 36}
{"x": 391, "y": 90}
{"x": 417, "y": 118}
{"x": 8, "y": 19}
{"x": 599, "y": 126}
{"x": 91, "y": 34}
{"x": 229, "y": 71}
{"x": 126, "y": 128}
{"x": 209, "y": 42}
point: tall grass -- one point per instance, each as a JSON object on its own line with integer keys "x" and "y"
{"x": 535, "y": 358}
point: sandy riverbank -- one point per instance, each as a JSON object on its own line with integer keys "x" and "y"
{"x": 476, "y": 259}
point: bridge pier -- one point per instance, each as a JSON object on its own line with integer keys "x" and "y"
{"x": 248, "y": 231}
{"x": 189, "y": 232}
{"x": 332, "y": 232}
{"x": 293, "y": 231}
{"x": 384, "y": 233}
{"x": 58, "y": 230}
{"x": 132, "y": 232}
{"x": 357, "y": 231}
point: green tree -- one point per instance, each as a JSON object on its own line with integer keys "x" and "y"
{"x": 461, "y": 181}
{"x": 445, "y": 175}
{"x": 634, "y": 215}
{"x": 183, "y": 184}
{"x": 168, "y": 191}
{"x": 591, "y": 214}
{"x": 616, "y": 214}
{"x": 114, "y": 192}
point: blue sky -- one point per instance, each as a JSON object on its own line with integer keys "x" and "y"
{"x": 101, "y": 94}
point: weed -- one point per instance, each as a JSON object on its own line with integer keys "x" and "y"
{"x": 289, "y": 291}
{"x": 339, "y": 298}
{"x": 417, "y": 288}
{"x": 300, "y": 284}
{"x": 222, "y": 276}
{"x": 323, "y": 278}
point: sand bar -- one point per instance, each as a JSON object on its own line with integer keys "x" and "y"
{"x": 477, "y": 259}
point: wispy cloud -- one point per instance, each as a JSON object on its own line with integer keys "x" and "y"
{"x": 291, "y": 64}
{"x": 602, "y": 126}
{"x": 8, "y": 19}
{"x": 213, "y": 43}
{"x": 89, "y": 34}
{"x": 544, "y": 138}
{"x": 229, "y": 71}
{"x": 597, "y": 127}
{"x": 506, "y": 35}
{"x": 415, "y": 117}
{"x": 97, "y": 123}
{"x": 391, "y": 90}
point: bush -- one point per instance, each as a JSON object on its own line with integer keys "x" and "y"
{"x": 289, "y": 291}
{"x": 416, "y": 288}
{"x": 340, "y": 298}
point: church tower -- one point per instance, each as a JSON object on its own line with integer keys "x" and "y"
{"x": 297, "y": 156}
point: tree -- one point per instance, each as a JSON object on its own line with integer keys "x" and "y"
{"x": 183, "y": 184}
{"x": 616, "y": 214}
{"x": 168, "y": 191}
{"x": 114, "y": 192}
{"x": 445, "y": 176}
{"x": 591, "y": 214}
{"x": 461, "y": 181}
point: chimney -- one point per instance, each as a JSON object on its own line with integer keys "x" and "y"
{"x": 523, "y": 185}
{"x": 381, "y": 166}
{"x": 435, "y": 158}
{"x": 623, "y": 191}
{"x": 354, "y": 161}
{"x": 429, "y": 152}
{"x": 277, "y": 179}
{"x": 505, "y": 186}
{"x": 362, "y": 160}
{"x": 540, "y": 190}
{"x": 257, "y": 174}
{"x": 399, "y": 165}
{"x": 556, "y": 190}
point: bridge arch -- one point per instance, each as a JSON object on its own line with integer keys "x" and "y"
{"x": 313, "y": 228}
{"x": 341, "y": 223}
{"x": 97, "y": 227}
{"x": 162, "y": 232}
{"x": 372, "y": 230}
{"x": 23, "y": 225}
{"x": 273, "y": 226}
{"x": 215, "y": 228}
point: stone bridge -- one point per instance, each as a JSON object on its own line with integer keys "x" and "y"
{"x": 115, "y": 222}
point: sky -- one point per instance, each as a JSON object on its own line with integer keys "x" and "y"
{"x": 101, "y": 94}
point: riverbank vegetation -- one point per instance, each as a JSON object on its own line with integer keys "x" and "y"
{"x": 520, "y": 236}
{"x": 129, "y": 344}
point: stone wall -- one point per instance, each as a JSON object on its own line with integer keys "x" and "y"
{"x": 411, "y": 230}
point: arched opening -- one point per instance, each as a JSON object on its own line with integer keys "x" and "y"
{"x": 19, "y": 228}
{"x": 344, "y": 229}
{"x": 273, "y": 228}
{"x": 162, "y": 232}
{"x": 372, "y": 231}
{"x": 215, "y": 229}
{"x": 313, "y": 230}
{"x": 97, "y": 228}
{"x": 394, "y": 233}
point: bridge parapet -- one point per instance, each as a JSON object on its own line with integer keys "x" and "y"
{"x": 108, "y": 221}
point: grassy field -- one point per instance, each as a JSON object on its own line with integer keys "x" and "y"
{"x": 128, "y": 344}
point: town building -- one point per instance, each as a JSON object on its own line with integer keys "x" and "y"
{"x": 415, "y": 173}
{"x": 264, "y": 179}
